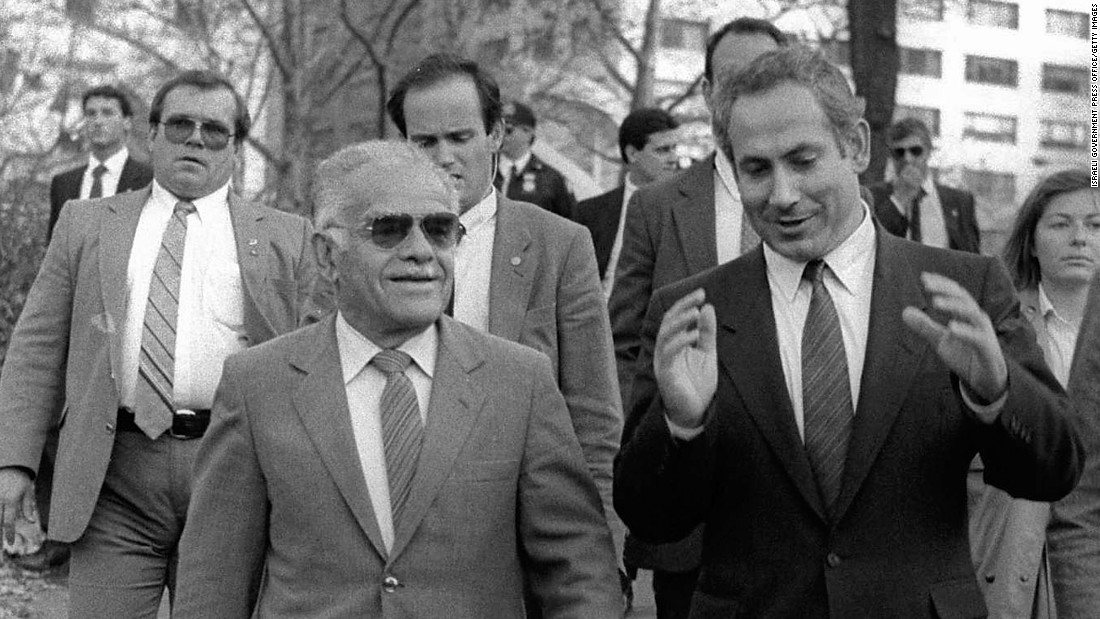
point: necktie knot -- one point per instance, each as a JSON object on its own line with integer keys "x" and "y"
{"x": 99, "y": 171}
{"x": 184, "y": 208}
{"x": 391, "y": 361}
{"x": 815, "y": 271}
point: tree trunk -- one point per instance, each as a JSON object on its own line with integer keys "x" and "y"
{"x": 644, "y": 86}
{"x": 874, "y": 58}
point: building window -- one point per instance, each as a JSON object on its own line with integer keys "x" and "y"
{"x": 837, "y": 51}
{"x": 991, "y": 187}
{"x": 990, "y": 127}
{"x": 1063, "y": 134}
{"x": 1068, "y": 23}
{"x": 923, "y": 10}
{"x": 683, "y": 34}
{"x": 986, "y": 70}
{"x": 1070, "y": 80}
{"x": 930, "y": 116}
{"x": 995, "y": 14}
{"x": 919, "y": 61}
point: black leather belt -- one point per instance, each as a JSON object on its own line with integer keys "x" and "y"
{"x": 186, "y": 425}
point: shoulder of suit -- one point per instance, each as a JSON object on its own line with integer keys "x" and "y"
{"x": 540, "y": 220}
{"x": 600, "y": 200}
{"x": 77, "y": 171}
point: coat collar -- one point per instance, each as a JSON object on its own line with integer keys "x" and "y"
{"x": 512, "y": 273}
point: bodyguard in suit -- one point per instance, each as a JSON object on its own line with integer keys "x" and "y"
{"x": 390, "y": 461}
{"x": 139, "y": 300}
{"x": 521, "y": 272}
{"x": 110, "y": 168}
{"x": 647, "y": 144}
{"x": 817, "y": 402}
{"x": 520, "y": 174}
{"x": 674, "y": 229}
{"x": 915, "y": 207}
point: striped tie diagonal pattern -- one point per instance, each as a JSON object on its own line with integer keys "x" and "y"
{"x": 402, "y": 428}
{"x": 826, "y": 392}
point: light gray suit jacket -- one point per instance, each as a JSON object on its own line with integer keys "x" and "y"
{"x": 500, "y": 494}
{"x": 65, "y": 353}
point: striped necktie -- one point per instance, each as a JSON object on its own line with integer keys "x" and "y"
{"x": 826, "y": 393}
{"x": 402, "y": 428}
{"x": 157, "y": 365}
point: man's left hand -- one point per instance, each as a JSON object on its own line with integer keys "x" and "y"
{"x": 967, "y": 343}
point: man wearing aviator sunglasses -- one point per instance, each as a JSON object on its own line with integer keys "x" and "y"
{"x": 390, "y": 455}
{"x": 913, "y": 205}
{"x": 138, "y": 303}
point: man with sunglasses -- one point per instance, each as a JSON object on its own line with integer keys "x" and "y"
{"x": 389, "y": 460}
{"x": 137, "y": 304}
{"x": 521, "y": 175}
{"x": 915, "y": 207}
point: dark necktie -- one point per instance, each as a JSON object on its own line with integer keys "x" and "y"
{"x": 914, "y": 216}
{"x": 402, "y": 428}
{"x": 826, "y": 394}
{"x": 157, "y": 364}
{"x": 97, "y": 181}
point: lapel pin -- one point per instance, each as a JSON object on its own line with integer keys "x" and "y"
{"x": 252, "y": 242}
{"x": 516, "y": 260}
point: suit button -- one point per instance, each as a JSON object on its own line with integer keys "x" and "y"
{"x": 390, "y": 584}
{"x": 833, "y": 560}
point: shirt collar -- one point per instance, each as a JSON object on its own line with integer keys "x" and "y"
{"x": 480, "y": 213}
{"x": 724, "y": 169}
{"x": 113, "y": 163}
{"x": 849, "y": 261}
{"x": 206, "y": 206}
{"x": 1046, "y": 308}
{"x": 356, "y": 351}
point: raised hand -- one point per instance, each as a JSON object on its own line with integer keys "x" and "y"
{"x": 685, "y": 362}
{"x": 967, "y": 343}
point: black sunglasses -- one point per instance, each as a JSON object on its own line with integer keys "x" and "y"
{"x": 179, "y": 129}
{"x": 443, "y": 230}
{"x": 916, "y": 151}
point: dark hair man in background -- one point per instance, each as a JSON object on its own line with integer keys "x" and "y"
{"x": 523, "y": 176}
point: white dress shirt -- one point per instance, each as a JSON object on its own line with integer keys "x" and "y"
{"x": 933, "y": 228}
{"x": 363, "y": 385}
{"x": 617, "y": 246}
{"x": 210, "y": 322}
{"x": 729, "y": 213}
{"x": 474, "y": 263}
{"x": 109, "y": 180}
{"x": 1061, "y": 339}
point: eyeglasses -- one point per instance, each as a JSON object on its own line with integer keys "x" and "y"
{"x": 179, "y": 129}
{"x": 443, "y": 230}
{"x": 915, "y": 151}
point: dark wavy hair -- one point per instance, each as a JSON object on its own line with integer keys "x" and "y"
{"x": 1019, "y": 250}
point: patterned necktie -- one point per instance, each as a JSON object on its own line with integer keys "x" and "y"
{"x": 826, "y": 394}
{"x": 914, "y": 216}
{"x": 157, "y": 364}
{"x": 97, "y": 181}
{"x": 402, "y": 428}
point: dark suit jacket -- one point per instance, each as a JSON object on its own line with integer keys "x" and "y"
{"x": 66, "y": 186}
{"x": 541, "y": 184}
{"x": 501, "y": 494}
{"x": 600, "y": 215}
{"x": 958, "y": 215}
{"x": 66, "y": 348}
{"x": 898, "y": 545}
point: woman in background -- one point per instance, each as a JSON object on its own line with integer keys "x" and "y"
{"x": 1053, "y": 254}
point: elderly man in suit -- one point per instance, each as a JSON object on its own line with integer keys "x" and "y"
{"x": 647, "y": 144}
{"x": 674, "y": 229}
{"x": 390, "y": 461}
{"x": 110, "y": 168}
{"x": 521, "y": 273}
{"x": 915, "y": 207}
{"x": 818, "y": 401}
{"x": 138, "y": 302}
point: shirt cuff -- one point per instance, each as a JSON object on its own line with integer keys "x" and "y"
{"x": 982, "y": 410}
{"x": 682, "y": 433}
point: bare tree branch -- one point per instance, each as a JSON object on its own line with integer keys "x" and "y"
{"x": 274, "y": 47}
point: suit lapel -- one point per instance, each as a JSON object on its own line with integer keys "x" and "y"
{"x": 951, "y": 216}
{"x": 511, "y": 275}
{"x": 128, "y": 179}
{"x": 116, "y": 240}
{"x": 321, "y": 403}
{"x": 252, "y": 242}
{"x": 748, "y": 353}
{"x": 455, "y": 405}
{"x": 693, "y": 217}
{"x": 893, "y": 357}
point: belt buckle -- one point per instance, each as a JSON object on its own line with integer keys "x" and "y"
{"x": 183, "y": 412}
